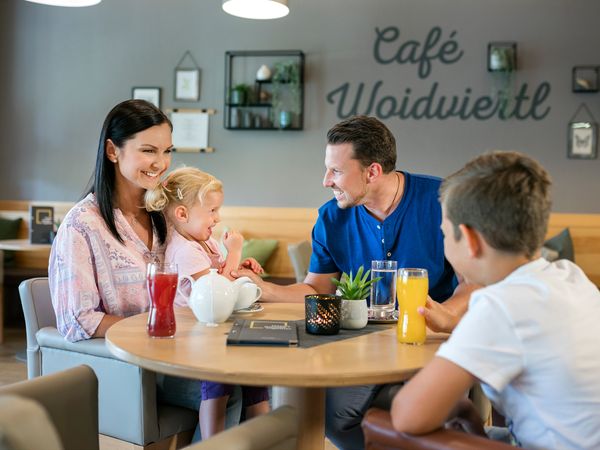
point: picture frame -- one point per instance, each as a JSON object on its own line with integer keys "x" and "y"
{"x": 187, "y": 85}
{"x": 150, "y": 94}
{"x": 190, "y": 130}
{"x": 582, "y": 140}
{"x": 585, "y": 79}
{"x": 502, "y": 56}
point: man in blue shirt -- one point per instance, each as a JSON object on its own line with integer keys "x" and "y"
{"x": 378, "y": 213}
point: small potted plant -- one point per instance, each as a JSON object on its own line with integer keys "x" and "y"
{"x": 354, "y": 291}
{"x": 240, "y": 94}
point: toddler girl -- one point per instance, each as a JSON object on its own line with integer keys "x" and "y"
{"x": 191, "y": 200}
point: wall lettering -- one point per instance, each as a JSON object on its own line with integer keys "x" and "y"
{"x": 522, "y": 103}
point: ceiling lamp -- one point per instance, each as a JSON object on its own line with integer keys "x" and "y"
{"x": 256, "y": 9}
{"x": 66, "y": 2}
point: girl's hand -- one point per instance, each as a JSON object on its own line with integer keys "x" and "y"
{"x": 253, "y": 265}
{"x": 233, "y": 240}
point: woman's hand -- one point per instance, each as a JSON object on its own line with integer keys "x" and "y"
{"x": 233, "y": 240}
{"x": 253, "y": 265}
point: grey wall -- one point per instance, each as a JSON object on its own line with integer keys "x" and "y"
{"x": 64, "y": 68}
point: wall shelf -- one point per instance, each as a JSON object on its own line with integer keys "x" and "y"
{"x": 273, "y": 104}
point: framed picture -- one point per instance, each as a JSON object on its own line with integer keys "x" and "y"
{"x": 585, "y": 79}
{"x": 502, "y": 56}
{"x": 187, "y": 84}
{"x": 582, "y": 140}
{"x": 151, "y": 94}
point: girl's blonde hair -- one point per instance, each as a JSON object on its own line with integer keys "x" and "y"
{"x": 183, "y": 186}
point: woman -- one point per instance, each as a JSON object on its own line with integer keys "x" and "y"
{"x": 98, "y": 259}
{"x": 97, "y": 269}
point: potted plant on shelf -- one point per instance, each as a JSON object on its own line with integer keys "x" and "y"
{"x": 354, "y": 291}
{"x": 286, "y": 92}
{"x": 240, "y": 94}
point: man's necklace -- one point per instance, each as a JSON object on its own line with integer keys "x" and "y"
{"x": 387, "y": 212}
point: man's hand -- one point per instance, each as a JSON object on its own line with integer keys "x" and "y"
{"x": 244, "y": 272}
{"x": 439, "y": 317}
{"x": 253, "y": 265}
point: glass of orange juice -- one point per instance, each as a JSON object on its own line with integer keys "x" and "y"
{"x": 412, "y": 288}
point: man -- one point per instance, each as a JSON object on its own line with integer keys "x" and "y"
{"x": 378, "y": 213}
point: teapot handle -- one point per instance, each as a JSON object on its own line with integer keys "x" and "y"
{"x": 181, "y": 278}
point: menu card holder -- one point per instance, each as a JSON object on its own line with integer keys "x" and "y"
{"x": 41, "y": 224}
{"x": 263, "y": 332}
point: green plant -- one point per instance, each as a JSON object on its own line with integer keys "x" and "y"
{"x": 240, "y": 94}
{"x": 355, "y": 287}
{"x": 286, "y": 86}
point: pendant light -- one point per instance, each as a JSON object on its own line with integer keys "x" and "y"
{"x": 256, "y": 9}
{"x": 66, "y": 2}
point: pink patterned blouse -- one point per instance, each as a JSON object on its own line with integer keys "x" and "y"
{"x": 91, "y": 273}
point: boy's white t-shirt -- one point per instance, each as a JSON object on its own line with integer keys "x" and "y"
{"x": 533, "y": 339}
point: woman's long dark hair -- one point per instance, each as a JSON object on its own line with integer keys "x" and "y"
{"x": 121, "y": 124}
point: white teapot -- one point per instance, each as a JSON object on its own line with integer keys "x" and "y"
{"x": 214, "y": 297}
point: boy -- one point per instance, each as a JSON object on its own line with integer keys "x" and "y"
{"x": 531, "y": 333}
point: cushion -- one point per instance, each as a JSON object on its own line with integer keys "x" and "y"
{"x": 9, "y": 229}
{"x": 259, "y": 249}
{"x": 25, "y": 425}
{"x": 561, "y": 244}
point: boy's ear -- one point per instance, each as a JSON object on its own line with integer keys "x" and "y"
{"x": 472, "y": 239}
{"x": 180, "y": 213}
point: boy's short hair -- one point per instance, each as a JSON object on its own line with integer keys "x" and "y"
{"x": 505, "y": 196}
{"x": 371, "y": 140}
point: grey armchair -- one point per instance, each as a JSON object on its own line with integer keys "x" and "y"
{"x": 62, "y": 408}
{"x": 300, "y": 254}
{"x": 58, "y": 411}
{"x": 128, "y": 408}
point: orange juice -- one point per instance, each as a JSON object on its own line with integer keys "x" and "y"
{"x": 412, "y": 291}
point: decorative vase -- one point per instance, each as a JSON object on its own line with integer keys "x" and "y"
{"x": 263, "y": 73}
{"x": 355, "y": 314}
{"x": 285, "y": 119}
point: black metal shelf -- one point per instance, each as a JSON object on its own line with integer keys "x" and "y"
{"x": 263, "y": 115}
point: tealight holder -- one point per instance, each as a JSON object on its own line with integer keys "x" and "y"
{"x": 322, "y": 313}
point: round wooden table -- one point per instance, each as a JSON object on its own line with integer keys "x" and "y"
{"x": 200, "y": 352}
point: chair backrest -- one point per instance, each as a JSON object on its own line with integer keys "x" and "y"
{"x": 300, "y": 253}
{"x": 39, "y": 313}
{"x": 70, "y": 399}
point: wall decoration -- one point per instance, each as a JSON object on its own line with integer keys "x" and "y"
{"x": 502, "y": 57}
{"x": 150, "y": 94}
{"x": 190, "y": 129}
{"x": 582, "y": 135}
{"x": 585, "y": 79}
{"x": 187, "y": 79}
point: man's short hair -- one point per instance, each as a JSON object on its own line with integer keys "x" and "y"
{"x": 505, "y": 196}
{"x": 371, "y": 139}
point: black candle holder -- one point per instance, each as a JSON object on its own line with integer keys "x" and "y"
{"x": 322, "y": 313}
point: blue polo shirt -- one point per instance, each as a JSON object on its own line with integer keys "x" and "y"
{"x": 345, "y": 239}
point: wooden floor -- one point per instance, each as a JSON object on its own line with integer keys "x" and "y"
{"x": 11, "y": 369}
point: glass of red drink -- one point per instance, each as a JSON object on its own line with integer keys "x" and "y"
{"x": 162, "y": 287}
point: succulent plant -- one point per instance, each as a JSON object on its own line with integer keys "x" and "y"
{"x": 354, "y": 287}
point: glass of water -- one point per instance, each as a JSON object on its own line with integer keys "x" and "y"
{"x": 383, "y": 292}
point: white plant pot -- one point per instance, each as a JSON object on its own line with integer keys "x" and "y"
{"x": 355, "y": 314}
